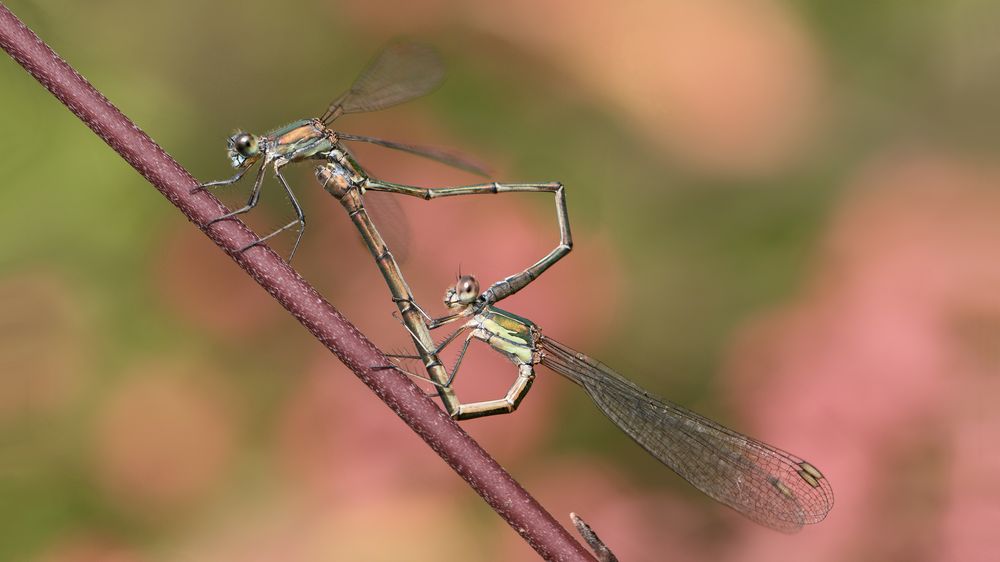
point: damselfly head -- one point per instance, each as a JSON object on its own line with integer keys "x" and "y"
{"x": 463, "y": 294}
{"x": 243, "y": 149}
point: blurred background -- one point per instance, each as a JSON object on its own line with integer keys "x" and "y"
{"x": 786, "y": 217}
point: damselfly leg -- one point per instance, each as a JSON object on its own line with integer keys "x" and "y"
{"x": 510, "y": 285}
{"x": 251, "y": 202}
{"x": 300, "y": 217}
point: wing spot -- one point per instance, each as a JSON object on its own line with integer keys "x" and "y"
{"x": 810, "y": 474}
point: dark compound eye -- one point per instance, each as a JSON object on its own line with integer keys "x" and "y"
{"x": 468, "y": 286}
{"x": 245, "y": 144}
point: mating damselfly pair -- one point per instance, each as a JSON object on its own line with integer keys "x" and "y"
{"x": 764, "y": 483}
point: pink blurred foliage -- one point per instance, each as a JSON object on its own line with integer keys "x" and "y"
{"x": 339, "y": 444}
{"x": 863, "y": 364}
{"x": 164, "y": 438}
{"x": 43, "y": 345}
{"x": 971, "y": 515}
{"x": 636, "y": 524}
{"x": 727, "y": 86}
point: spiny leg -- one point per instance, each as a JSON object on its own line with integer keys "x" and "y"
{"x": 399, "y": 369}
{"x": 239, "y": 175}
{"x": 300, "y": 218}
{"x": 448, "y": 340}
{"x": 417, "y": 341}
{"x": 510, "y": 285}
{"x": 251, "y": 203}
{"x": 458, "y": 361}
{"x": 444, "y": 343}
{"x": 438, "y": 322}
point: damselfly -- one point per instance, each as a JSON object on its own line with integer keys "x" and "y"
{"x": 766, "y": 484}
{"x": 401, "y": 72}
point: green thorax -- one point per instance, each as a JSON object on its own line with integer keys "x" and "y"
{"x": 302, "y": 139}
{"x": 514, "y": 330}
{"x": 290, "y": 127}
{"x": 509, "y": 319}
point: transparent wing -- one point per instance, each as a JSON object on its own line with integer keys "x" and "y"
{"x": 401, "y": 72}
{"x": 390, "y": 218}
{"x": 768, "y": 485}
{"x": 442, "y": 155}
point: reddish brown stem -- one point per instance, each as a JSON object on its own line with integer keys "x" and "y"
{"x": 444, "y": 436}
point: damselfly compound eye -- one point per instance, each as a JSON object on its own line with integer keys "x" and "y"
{"x": 246, "y": 145}
{"x": 467, "y": 288}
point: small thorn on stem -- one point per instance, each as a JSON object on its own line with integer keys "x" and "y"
{"x": 602, "y": 552}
